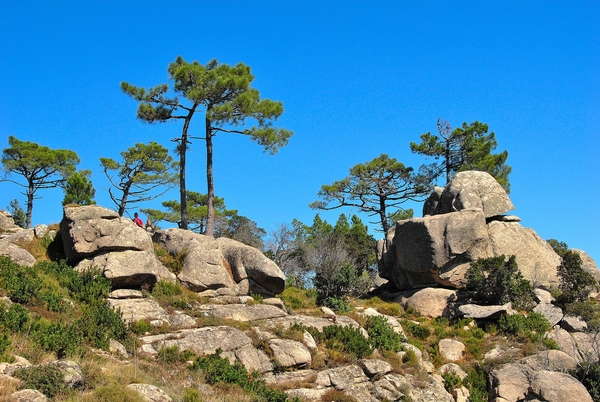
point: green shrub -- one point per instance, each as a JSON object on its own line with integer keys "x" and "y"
{"x": 588, "y": 310}
{"x": 337, "y": 304}
{"x": 588, "y": 373}
{"x": 191, "y": 395}
{"x": 61, "y": 339}
{"x": 166, "y": 289}
{"x": 219, "y": 370}
{"x": 21, "y": 283}
{"x": 47, "y": 379}
{"x": 89, "y": 286}
{"x": 476, "y": 383}
{"x": 416, "y": 330}
{"x": 532, "y": 327}
{"x": 382, "y": 335}
{"x": 347, "y": 339}
{"x": 451, "y": 380}
{"x": 14, "y": 319}
{"x": 100, "y": 323}
{"x": 53, "y": 300}
{"x": 497, "y": 281}
{"x": 141, "y": 327}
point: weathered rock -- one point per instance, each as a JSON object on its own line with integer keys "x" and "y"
{"x": 221, "y": 264}
{"x": 204, "y": 268}
{"x": 452, "y": 368}
{"x": 310, "y": 321}
{"x": 307, "y": 394}
{"x": 543, "y": 296}
{"x": 201, "y": 341}
{"x": 438, "y": 249}
{"x": 430, "y": 302}
{"x": 512, "y": 381}
{"x": 117, "y": 348}
{"x": 474, "y": 190}
{"x": 588, "y": 264}
{"x": 551, "y": 386}
{"x": 451, "y": 349}
{"x": 16, "y": 253}
{"x": 148, "y": 309}
{"x": 90, "y": 230}
{"x": 249, "y": 262}
{"x": 430, "y": 206}
{"x": 243, "y": 312}
{"x": 20, "y": 236}
{"x": 341, "y": 378}
{"x": 28, "y": 395}
{"x": 291, "y": 354}
{"x": 150, "y": 393}
{"x": 551, "y": 312}
{"x": 375, "y": 367}
{"x": 253, "y": 359}
{"x": 386, "y": 259}
{"x": 485, "y": 312}
{"x": 7, "y": 223}
{"x": 72, "y": 374}
{"x": 40, "y": 230}
{"x": 537, "y": 261}
{"x": 10, "y": 368}
{"x": 129, "y": 268}
{"x": 290, "y": 377}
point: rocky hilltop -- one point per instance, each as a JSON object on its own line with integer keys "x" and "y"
{"x": 425, "y": 259}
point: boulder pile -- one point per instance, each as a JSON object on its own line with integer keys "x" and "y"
{"x": 461, "y": 223}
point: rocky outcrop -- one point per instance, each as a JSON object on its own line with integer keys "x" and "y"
{"x": 91, "y": 230}
{"x": 469, "y": 190}
{"x": 461, "y": 224}
{"x": 129, "y": 269}
{"x": 221, "y": 264}
{"x": 529, "y": 378}
{"x": 437, "y": 249}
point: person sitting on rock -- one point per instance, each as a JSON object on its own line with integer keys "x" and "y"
{"x": 136, "y": 219}
{"x": 149, "y": 226}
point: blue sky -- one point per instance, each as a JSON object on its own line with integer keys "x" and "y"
{"x": 356, "y": 78}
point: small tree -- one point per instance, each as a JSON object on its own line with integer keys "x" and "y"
{"x": 197, "y": 211}
{"x": 496, "y": 280}
{"x": 465, "y": 148}
{"x": 374, "y": 187}
{"x": 225, "y": 94}
{"x": 79, "y": 189}
{"x": 242, "y": 229}
{"x": 17, "y": 213}
{"x": 284, "y": 247}
{"x": 576, "y": 284}
{"x": 40, "y": 166}
{"x": 143, "y": 169}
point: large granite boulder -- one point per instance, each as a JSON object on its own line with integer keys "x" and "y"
{"x": 7, "y": 224}
{"x": 588, "y": 264}
{"x": 129, "y": 268}
{"x": 90, "y": 230}
{"x": 536, "y": 259}
{"x": 16, "y": 253}
{"x": 430, "y": 302}
{"x": 221, "y": 264}
{"x": 461, "y": 224}
{"x": 469, "y": 190}
{"x": 437, "y": 249}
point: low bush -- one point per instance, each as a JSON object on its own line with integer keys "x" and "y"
{"x": 416, "y": 330}
{"x": 348, "y": 340}
{"x": 15, "y": 319}
{"x": 47, "y": 379}
{"x": 20, "y": 283}
{"x": 496, "y": 280}
{"x": 382, "y": 336}
{"x": 217, "y": 369}
{"x": 532, "y": 327}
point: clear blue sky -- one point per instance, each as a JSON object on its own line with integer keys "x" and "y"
{"x": 357, "y": 79}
